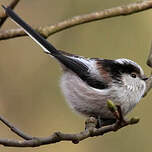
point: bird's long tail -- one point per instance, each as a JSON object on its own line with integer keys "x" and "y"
{"x": 71, "y": 62}
{"x": 47, "y": 47}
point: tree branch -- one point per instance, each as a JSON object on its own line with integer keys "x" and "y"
{"x": 15, "y": 130}
{"x": 3, "y": 15}
{"x": 90, "y": 131}
{"x": 149, "y": 63}
{"x": 82, "y": 19}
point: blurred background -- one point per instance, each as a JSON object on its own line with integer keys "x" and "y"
{"x": 30, "y": 95}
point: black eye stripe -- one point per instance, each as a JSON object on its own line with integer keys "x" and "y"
{"x": 112, "y": 66}
{"x": 116, "y": 69}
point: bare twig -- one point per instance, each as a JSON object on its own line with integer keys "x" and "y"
{"x": 148, "y": 85}
{"x": 149, "y": 81}
{"x": 90, "y": 131}
{"x": 149, "y": 59}
{"x": 14, "y": 129}
{"x": 3, "y": 15}
{"x": 82, "y": 19}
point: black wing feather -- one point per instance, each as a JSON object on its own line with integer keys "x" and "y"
{"x": 74, "y": 65}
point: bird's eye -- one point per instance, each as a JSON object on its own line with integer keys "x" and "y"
{"x": 133, "y": 75}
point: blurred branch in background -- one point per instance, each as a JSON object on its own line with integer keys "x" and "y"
{"x": 149, "y": 63}
{"x": 3, "y": 15}
{"x": 90, "y": 131}
{"x": 90, "y": 125}
{"x": 82, "y": 19}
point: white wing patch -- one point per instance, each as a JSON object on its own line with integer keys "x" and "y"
{"x": 81, "y": 59}
{"x": 92, "y": 66}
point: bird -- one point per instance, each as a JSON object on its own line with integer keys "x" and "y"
{"x": 88, "y": 83}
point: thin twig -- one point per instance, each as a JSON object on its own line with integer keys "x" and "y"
{"x": 3, "y": 15}
{"x": 148, "y": 85}
{"x": 82, "y": 19}
{"x": 149, "y": 63}
{"x": 15, "y": 130}
{"x": 90, "y": 131}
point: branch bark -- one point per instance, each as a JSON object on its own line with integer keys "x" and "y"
{"x": 82, "y": 19}
{"x": 90, "y": 131}
{"x": 3, "y": 15}
{"x": 149, "y": 81}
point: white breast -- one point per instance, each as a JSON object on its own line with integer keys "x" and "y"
{"x": 93, "y": 102}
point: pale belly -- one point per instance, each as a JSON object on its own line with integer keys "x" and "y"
{"x": 91, "y": 102}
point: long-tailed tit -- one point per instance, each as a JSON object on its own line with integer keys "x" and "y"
{"x": 88, "y": 83}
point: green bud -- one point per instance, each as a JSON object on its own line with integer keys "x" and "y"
{"x": 112, "y": 107}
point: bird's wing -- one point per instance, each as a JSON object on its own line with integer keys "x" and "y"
{"x": 78, "y": 65}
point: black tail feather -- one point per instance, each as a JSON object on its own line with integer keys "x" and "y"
{"x": 48, "y": 48}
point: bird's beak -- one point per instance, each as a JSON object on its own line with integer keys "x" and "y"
{"x": 144, "y": 78}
